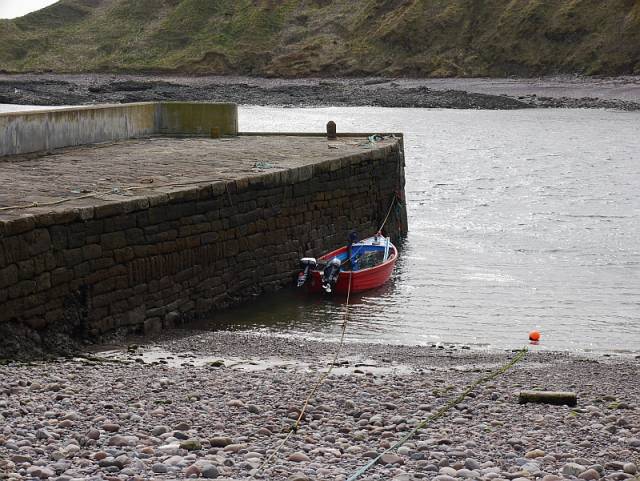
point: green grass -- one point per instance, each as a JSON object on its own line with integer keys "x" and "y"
{"x": 322, "y": 37}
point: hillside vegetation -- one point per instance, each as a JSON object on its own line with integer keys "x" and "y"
{"x": 289, "y": 38}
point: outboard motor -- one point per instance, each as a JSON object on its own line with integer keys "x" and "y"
{"x": 307, "y": 264}
{"x": 330, "y": 274}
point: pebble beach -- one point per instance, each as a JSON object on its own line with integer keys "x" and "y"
{"x": 215, "y": 405}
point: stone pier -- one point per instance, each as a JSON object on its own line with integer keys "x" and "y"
{"x": 134, "y": 218}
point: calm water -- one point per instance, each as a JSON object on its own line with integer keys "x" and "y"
{"x": 518, "y": 220}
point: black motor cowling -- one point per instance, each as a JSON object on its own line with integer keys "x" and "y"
{"x": 307, "y": 264}
{"x": 330, "y": 274}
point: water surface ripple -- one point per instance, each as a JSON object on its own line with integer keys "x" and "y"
{"x": 518, "y": 220}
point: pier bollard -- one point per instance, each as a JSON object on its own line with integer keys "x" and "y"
{"x": 331, "y": 130}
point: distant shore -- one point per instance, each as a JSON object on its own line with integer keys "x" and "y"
{"x": 177, "y": 417}
{"x": 459, "y": 93}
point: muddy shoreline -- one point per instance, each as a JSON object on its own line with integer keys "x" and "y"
{"x": 493, "y": 94}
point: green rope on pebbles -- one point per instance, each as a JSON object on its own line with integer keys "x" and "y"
{"x": 442, "y": 411}
{"x": 298, "y": 422}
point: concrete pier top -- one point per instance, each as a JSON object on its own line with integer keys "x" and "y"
{"x": 97, "y": 175}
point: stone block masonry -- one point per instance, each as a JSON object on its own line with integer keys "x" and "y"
{"x": 218, "y": 232}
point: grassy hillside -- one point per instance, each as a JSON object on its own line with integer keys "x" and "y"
{"x": 328, "y": 37}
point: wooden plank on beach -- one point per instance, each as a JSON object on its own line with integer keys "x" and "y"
{"x": 548, "y": 397}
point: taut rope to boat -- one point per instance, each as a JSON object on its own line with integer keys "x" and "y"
{"x": 296, "y": 425}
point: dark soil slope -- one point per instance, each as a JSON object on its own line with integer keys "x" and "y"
{"x": 328, "y": 37}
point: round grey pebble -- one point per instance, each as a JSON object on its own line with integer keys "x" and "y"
{"x": 210, "y": 472}
{"x": 471, "y": 463}
{"x": 444, "y": 477}
{"x": 159, "y": 430}
{"x": 590, "y": 475}
{"x": 573, "y": 469}
{"x": 159, "y": 468}
{"x": 298, "y": 477}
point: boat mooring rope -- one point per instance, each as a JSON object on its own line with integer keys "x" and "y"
{"x": 386, "y": 218}
{"x": 442, "y": 411}
{"x": 296, "y": 425}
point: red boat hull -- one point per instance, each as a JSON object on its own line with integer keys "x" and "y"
{"x": 361, "y": 280}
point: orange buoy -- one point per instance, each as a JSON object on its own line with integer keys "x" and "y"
{"x": 534, "y": 336}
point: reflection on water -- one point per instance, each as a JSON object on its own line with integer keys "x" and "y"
{"x": 518, "y": 220}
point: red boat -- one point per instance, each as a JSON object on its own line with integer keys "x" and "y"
{"x": 365, "y": 265}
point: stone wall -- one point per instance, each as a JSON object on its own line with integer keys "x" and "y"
{"x": 35, "y": 131}
{"x": 149, "y": 263}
